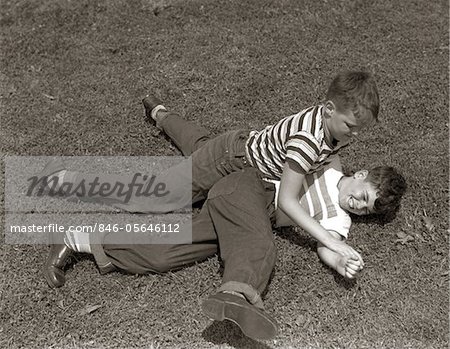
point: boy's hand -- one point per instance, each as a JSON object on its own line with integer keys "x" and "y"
{"x": 348, "y": 267}
{"x": 345, "y": 250}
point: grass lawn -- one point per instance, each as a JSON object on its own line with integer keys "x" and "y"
{"x": 72, "y": 77}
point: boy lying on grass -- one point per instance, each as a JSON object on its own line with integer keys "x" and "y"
{"x": 237, "y": 221}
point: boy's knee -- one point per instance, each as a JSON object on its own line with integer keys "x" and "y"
{"x": 140, "y": 259}
{"x": 262, "y": 249}
{"x": 268, "y": 249}
{"x": 269, "y": 246}
{"x": 161, "y": 262}
{"x": 160, "y": 267}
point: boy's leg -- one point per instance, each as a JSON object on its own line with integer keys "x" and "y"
{"x": 237, "y": 210}
{"x": 187, "y": 182}
{"x": 188, "y": 136}
{"x": 159, "y": 258}
{"x": 121, "y": 191}
{"x": 134, "y": 258}
{"x": 212, "y": 158}
{"x": 239, "y": 206}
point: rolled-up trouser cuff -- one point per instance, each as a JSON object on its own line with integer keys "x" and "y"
{"x": 250, "y": 293}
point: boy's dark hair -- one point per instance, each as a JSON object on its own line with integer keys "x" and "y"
{"x": 355, "y": 90}
{"x": 390, "y": 186}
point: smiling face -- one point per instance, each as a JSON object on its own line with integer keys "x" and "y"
{"x": 343, "y": 125}
{"x": 356, "y": 195}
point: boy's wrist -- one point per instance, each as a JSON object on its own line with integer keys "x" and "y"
{"x": 328, "y": 240}
{"x": 331, "y": 238}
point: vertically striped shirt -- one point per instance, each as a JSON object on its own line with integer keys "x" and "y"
{"x": 319, "y": 197}
{"x": 298, "y": 139}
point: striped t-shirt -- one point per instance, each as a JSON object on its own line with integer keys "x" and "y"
{"x": 319, "y": 197}
{"x": 298, "y": 139}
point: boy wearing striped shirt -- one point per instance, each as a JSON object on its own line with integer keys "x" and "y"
{"x": 302, "y": 143}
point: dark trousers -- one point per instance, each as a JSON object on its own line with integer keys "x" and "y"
{"x": 234, "y": 221}
{"x": 236, "y": 216}
{"x": 210, "y": 160}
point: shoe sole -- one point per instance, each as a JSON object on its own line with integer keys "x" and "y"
{"x": 252, "y": 323}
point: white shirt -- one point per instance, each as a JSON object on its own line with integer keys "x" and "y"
{"x": 320, "y": 198}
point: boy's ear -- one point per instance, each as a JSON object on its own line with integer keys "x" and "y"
{"x": 361, "y": 174}
{"x": 329, "y": 108}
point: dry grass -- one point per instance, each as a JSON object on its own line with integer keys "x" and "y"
{"x": 73, "y": 74}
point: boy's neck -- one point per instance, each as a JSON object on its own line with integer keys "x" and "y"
{"x": 341, "y": 181}
{"x": 328, "y": 137}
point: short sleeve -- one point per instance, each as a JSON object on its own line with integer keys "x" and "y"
{"x": 302, "y": 151}
{"x": 340, "y": 224}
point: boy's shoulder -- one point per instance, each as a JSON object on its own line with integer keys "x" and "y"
{"x": 315, "y": 111}
{"x": 308, "y": 120}
{"x": 336, "y": 218}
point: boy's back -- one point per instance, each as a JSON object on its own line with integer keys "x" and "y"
{"x": 299, "y": 139}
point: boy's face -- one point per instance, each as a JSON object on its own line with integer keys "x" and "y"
{"x": 343, "y": 125}
{"x": 356, "y": 195}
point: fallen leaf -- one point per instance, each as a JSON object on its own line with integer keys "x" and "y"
{"x": 401, "y": 234}
{"x": 428, "y": 223}
{"x": 89, "y": 309}
{"x": 299, "y": 320}
{"x": 419, "y": 237}
{"x": 403, "y": 238}
{"x": 48, "y": 96}
{"x": 441, "y": 251}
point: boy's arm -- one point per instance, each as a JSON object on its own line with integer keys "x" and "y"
{"x": 344, "y": 265}
{"x": 290, "y": 185}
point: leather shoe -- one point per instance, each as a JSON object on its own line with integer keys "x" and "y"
{"x": 150, "y": 102}
{"x": 253, "y": 321}
{"x": 56, "y": 260}
{"x": 45, "y": 176}
{"x": 52, "y": 167}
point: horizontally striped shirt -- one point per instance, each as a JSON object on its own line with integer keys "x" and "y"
{"x": 298, "y": 139}
{"x": 319, "y": 197}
